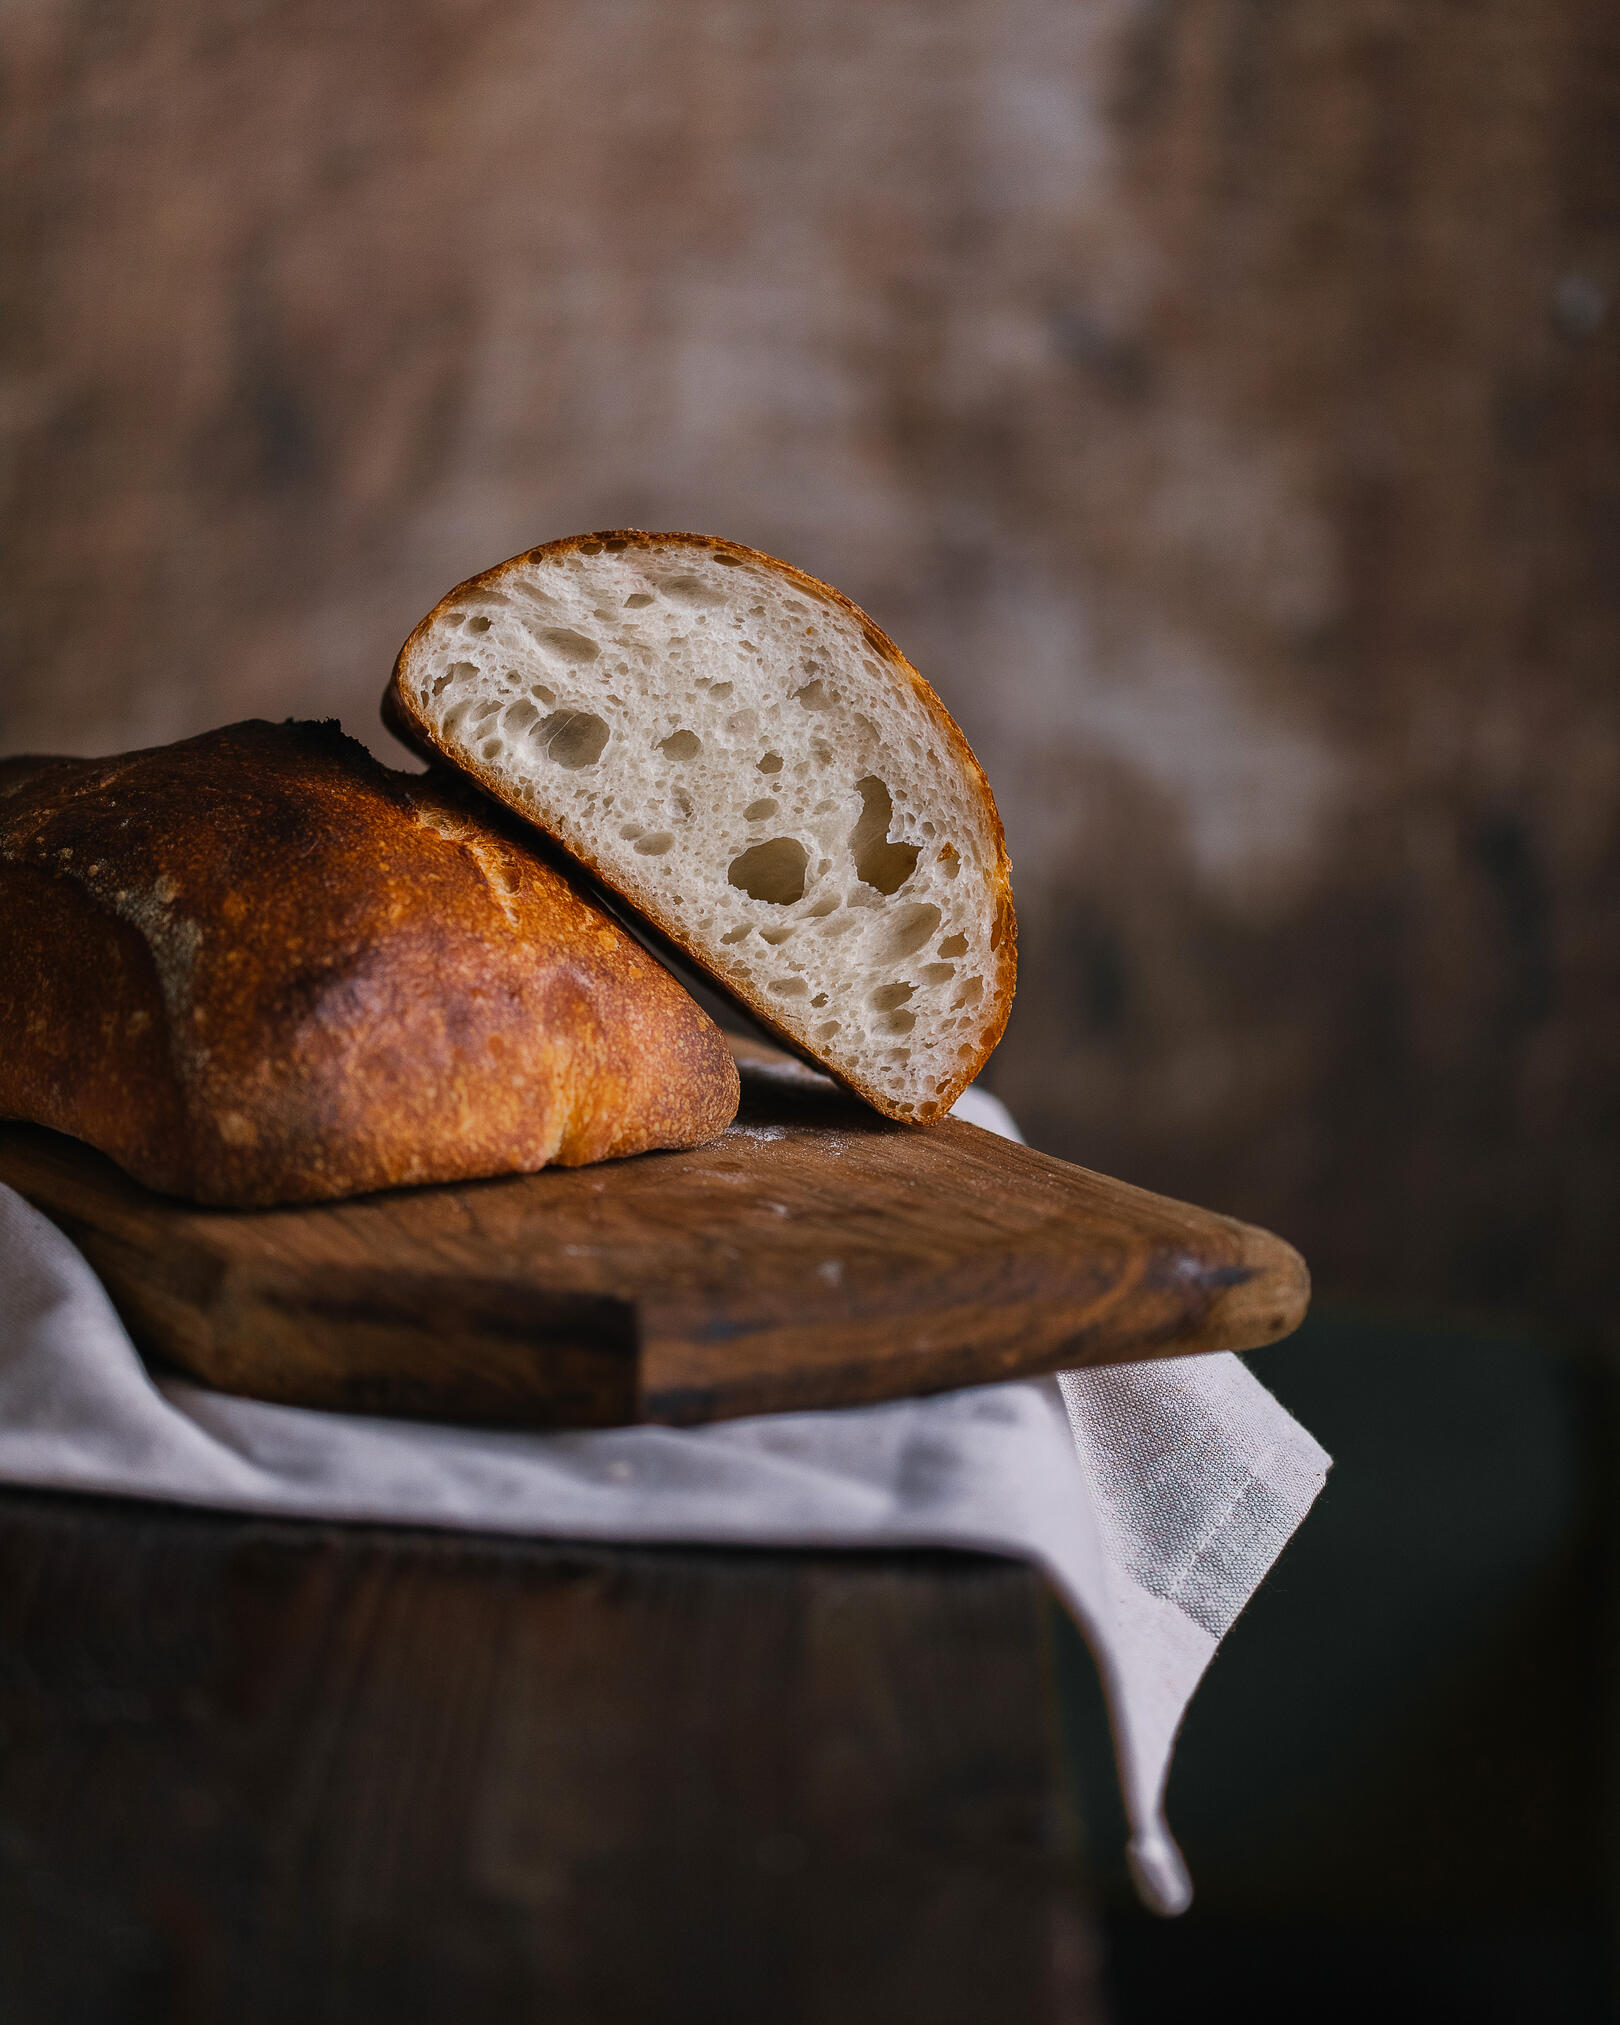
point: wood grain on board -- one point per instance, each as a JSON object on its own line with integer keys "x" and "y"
{"x": 815, "y": 1255}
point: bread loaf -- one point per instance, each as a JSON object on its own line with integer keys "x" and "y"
{"x": 259, "y": 967}
{"x": 737, "y": 751}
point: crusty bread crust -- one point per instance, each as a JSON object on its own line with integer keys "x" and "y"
{"x": 405, "y": 720}
{"x": 259, "y": 967}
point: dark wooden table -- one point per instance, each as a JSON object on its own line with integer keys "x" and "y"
{"x": 262, "y": 1771}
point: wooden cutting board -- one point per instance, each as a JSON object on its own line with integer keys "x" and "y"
{"x": 816, "y": 1255}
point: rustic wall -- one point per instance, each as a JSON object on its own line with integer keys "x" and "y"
{"x": 1220, "y": 402}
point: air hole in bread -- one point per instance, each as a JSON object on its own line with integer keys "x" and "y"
{"x": 691, "y": 590}
{"x": 937, "y": 973}
{"x": 478, "y": 623}
{"x": 954, "y": 945}
{"x": 913, "y": 926}
{"x": 771, "y": 762}
{"x": 573, "y": 738}
{"x": 739, "y": 933}
{"x": 719, "y": 691}
{"x": 520, "y": 716}
{"x": 564, "y": 644}
{"x": 776, "y": 936}
{"x": 772, "y": 871}
{"x": 949, "y": 863}
{"x": 971, "y": 992}
{"x": 656, "y": 845}
{"x": 681, "y": 745}
{"x": 630, "y": 831}
{"x": 901, "y": 1022}
{"x": 759, "y": 812}
{"x": 888, "y": 996}
{"x": 728, "y": 562}
{"x": 878, "y": 862}
{"x": 638, "y": 600}
{"x": 813, "y": 696}
{"x": 787, "y": 987}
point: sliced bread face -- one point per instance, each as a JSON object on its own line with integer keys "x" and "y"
{"x": 747, "y": 760}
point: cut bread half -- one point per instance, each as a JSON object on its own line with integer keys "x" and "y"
{"x": 739, "y": 753}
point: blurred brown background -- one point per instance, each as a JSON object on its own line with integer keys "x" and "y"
{"x": 1218, "y": 400}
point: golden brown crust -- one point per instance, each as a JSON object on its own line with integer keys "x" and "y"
{"x": 405, "y": 722}
{"x": 257, "y": 967}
